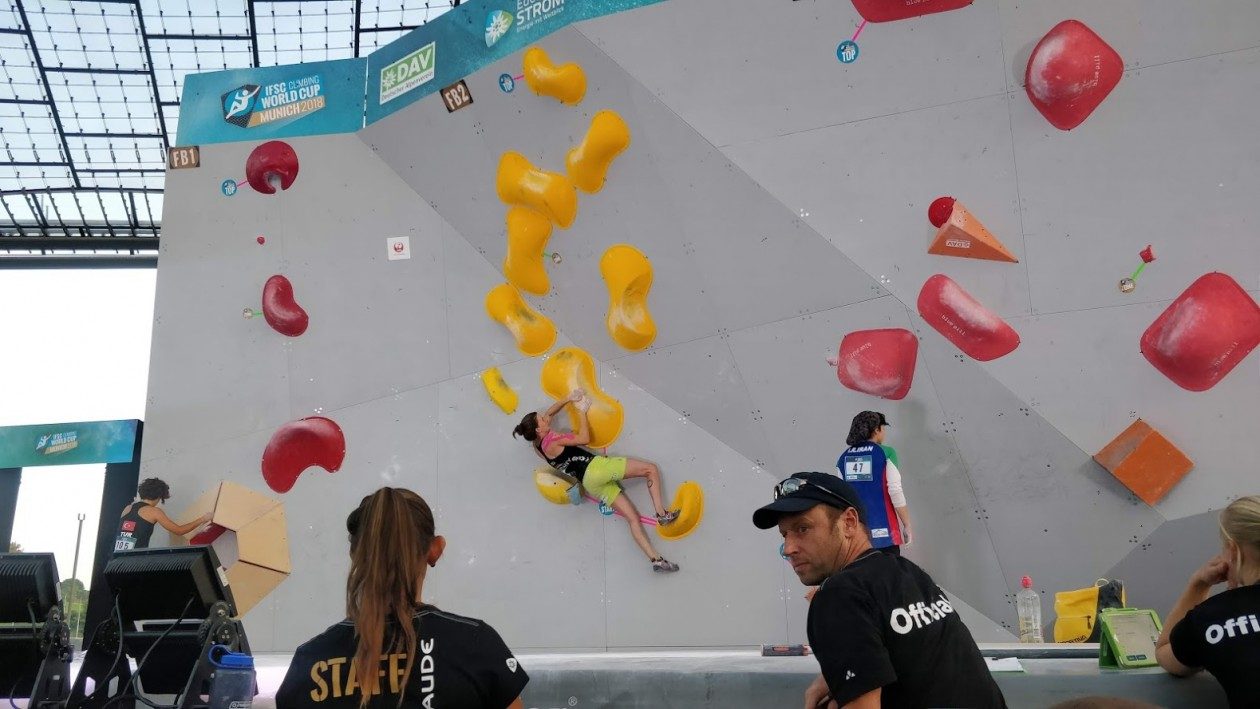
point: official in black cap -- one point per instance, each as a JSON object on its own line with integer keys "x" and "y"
{"x": 883, "y": 632}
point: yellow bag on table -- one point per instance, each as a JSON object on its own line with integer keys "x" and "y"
{"x": 1076, "y": 612}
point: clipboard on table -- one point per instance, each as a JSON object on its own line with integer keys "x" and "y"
{"x": 1127, "y": 639}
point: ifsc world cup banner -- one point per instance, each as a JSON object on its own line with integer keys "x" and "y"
{"x": 73, "y": 443}
{"x": 272, "y": 102}
{"x": 342, "y": 96}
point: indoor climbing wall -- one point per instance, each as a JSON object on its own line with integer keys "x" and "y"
{"x": 733, "y": 253}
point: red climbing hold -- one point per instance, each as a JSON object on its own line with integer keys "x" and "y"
{"x": 977, "y": 331}
{"x": 274, "y": 159}
{"x": 208, "y": 535}
{"x": 262, "y": 240}
{"x": 1070, "y": 72}
{"x": 940, "y": 211}
{"x": 889, "y": 10}
{"x": 299, "y": 445}
{"x": 878, "y": 362}
{"x": 1204, "y": 333}
{"x": 281, "y": 310}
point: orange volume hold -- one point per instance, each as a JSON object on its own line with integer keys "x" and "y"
{"x": 959, "y": 233}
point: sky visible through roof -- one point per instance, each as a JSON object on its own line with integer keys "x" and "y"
{"x": 89, "y": 93}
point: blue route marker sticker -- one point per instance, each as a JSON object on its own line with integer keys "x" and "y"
{"x": 847, "y": 52}
{"x": 507, "y": 83}
{"x": 228, "y": 187}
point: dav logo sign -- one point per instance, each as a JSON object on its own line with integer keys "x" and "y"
{"x": 408, "y": 73}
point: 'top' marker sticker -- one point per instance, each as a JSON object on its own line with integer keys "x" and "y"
{"x": 847, "y": 51}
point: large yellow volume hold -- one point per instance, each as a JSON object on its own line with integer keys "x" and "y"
{"x": 500, "y": 391}
{"x": 565, "y": 83}
{"x": 571, "y": 368}
{"x": 552, "y": 487}
{"x": 689, "y": 501}
{"x": 527, "y": 235}
{"x": 533, "y": 331}
{"x": 519, "y": 183}
{"x": 628, "y": 275}
{"x": 588, "y": 163}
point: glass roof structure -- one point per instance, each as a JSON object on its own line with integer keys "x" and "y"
{"x": 89, "y": 104}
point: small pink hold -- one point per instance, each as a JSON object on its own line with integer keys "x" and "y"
{"x": 262, "y": 240}
{"x": 940, "y": 211}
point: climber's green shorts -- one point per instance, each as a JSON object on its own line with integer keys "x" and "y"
{"x": 602, "y": 476}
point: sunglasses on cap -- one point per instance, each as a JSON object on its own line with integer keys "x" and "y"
{"x": 792, "y": 485}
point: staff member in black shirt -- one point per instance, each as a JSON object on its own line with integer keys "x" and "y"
{"x": 135, "y": 528}
{"x": 1222, "y": 634}
{"x": 394, "y": 650}
{"x": 883, "y": 632}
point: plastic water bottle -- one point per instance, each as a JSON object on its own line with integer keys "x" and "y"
{"x": 1028, "y": 604}
{"x": 233, "y": 685}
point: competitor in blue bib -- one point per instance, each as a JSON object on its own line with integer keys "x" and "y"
{"x": 868, "y": 467}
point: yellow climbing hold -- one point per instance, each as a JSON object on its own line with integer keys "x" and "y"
{"x": 565, "y": 83}
{"x": 628, "y": 274}
{"x": 527, "y": 235}
{"x": 519, "y": 183}
{"x": 552, "y": 487}
{"x": 588, "y": 163}
{"x": 689, "y": 501}
{"x": 533, "y": 331}
{"x": 500, "y": 391}
{"x": 571, "y": 368}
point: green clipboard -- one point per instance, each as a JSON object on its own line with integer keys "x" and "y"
{"x": 1128, "y": 638}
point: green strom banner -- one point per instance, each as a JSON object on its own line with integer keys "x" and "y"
{"x": 68, "y": 443}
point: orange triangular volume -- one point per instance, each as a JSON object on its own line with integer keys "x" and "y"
{"x": 963, "y": 235}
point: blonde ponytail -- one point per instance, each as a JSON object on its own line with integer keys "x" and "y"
{"x": 1240, "y": 523}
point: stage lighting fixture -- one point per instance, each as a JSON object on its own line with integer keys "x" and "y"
{"x": 34, "y": 638}
{"x": 176, "y": 598}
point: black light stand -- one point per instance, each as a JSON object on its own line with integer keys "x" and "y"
{"x": 34, "y": 638}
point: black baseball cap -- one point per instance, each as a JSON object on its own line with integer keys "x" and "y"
{"x": 817, "y": 488}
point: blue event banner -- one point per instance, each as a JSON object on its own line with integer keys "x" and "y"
{"x": 342, "y": 96}
{"x": 272, "y": 102}
{"x": 465, "y": 40}
{"x": 68, "y": 443}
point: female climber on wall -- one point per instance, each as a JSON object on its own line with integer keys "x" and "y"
{"x": 598, "y": 474}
